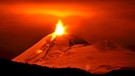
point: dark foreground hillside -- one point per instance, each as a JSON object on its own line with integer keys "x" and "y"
{"x": 8, "y": 67}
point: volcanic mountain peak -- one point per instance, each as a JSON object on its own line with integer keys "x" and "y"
{"x": 47, "y": 49}
{"x": 106, "y": 44}
{"x": 62, "y": 52}
{"x": 65, "y": 40}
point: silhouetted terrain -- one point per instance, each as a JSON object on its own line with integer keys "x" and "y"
{"x": 11, "y": 68}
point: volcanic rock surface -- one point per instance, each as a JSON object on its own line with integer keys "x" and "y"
{"x": 72, "y": 51}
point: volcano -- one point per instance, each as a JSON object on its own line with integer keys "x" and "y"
{"x": 73, "y": 51}
{"x": 47, "y": 49}
{"x": 60, "y": 49}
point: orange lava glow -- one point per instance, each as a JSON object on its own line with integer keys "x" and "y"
{"x": 38, "y": 51}
{"x": 60, "y": 29}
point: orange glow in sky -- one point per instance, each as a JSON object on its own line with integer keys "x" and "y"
{"x": 59, "y": 10}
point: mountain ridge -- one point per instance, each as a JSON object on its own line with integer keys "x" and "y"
{"x": 73, "y": 51}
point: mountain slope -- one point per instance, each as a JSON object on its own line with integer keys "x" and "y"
{"x": 91, "y": 59}
{"x": 73, "y": 51}
{"x": 106, "y": 44}
{"x": 47, "y": 47}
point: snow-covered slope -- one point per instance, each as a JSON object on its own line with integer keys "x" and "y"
{"x": 47, "y": 48}
{"x": 93, "y": 60}
{"x": 73, "y": 51}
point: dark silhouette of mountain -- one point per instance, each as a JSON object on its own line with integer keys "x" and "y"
{"x": 8, "y": 67}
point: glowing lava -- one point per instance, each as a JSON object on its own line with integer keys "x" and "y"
{"x": 39, "y": 51}
{"x": 60, "y": 29}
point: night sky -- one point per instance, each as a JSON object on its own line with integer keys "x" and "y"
{"x": 25, "y": 22}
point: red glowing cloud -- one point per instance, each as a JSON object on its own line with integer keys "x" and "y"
{"x": 59, "y": 10}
